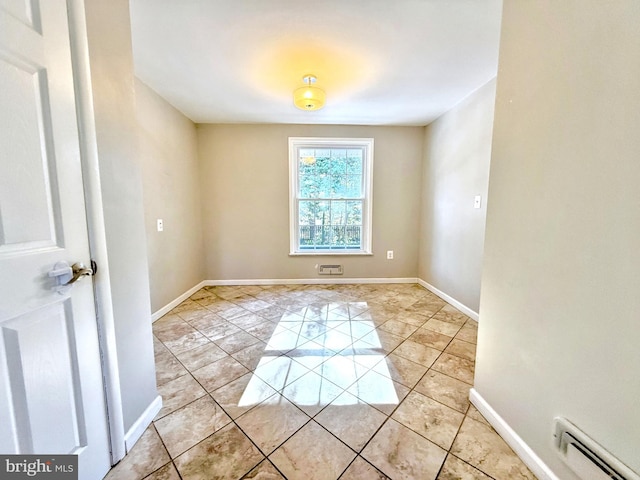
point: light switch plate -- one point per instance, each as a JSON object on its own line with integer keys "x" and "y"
{"x": 160, "y": 224}
{"x": 477, "y": 202}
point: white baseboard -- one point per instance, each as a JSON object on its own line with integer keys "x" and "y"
{"x": 331, "y": 279}
{"x": 141, "y": 424}
{"x": 526, "y": 454}
{"x": 171, "y": 305}
{"x": 450, "y": 300}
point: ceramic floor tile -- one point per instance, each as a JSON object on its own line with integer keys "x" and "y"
{"x": 312, "y": 329}
{"x": 431, "y": 419}
{"x": 272, "y": 422}
{"x": 341, "y": 370}
{"x": 311, "y": 355}
{"x": 354, "y": 329}
{"x": 468, "y": 333}
{"x": 285, "y": 341}
{"x": 226, "y": 454}
{"x": 202, "y": 318}
{"x": 200, "y": 356}
{"x": 360, "y": 469}
{"x": 334, "y": 340}
{"x": 398, "y": 328}
{"x": 272, "y": 312}
{"x": 445, "y": 328}
{"x": 242, "y": 394}
{"x": 311, "y": 393}
{"x": 379, "y": 391}
{"x": 385, "y": 341}
{"x": 265, "y": 330}
{"x": 236, "y": 342}
{"x": 430, "y": 338}
{"x": 177, "y": 393}
{"x": 455, "y": 367}
{"x": 279, "y": 371}
{"x": 147, "y": 455}
{"x": 184, "y": 306}
{"x": 194, "y": 314}
{"x": 247, "y": 321}
{"x": 462, "y": 349}
{"x": 168, "y": 472}
{"x": 418, "y": 353}
{"x": 456, "y": 469}
{"x": 479, "y": 445}
{"x": 250, "y": 356}
{"x": 312, "y": 454}
{"x": 218, "y": 329}
{"x": 451, "y": 315}
{"x": 412, "y": 318}
{"x": 351, "y": 420}
{"x": 254, "y": 304}
{"x": 171, "y": 327}
{"x": 264, "y": 471}
{"x": 231, "y": 312}
{"x": 189, "y": 425}
{"x": 476, "y": 415}
{"x": 186, "y": 342}
{"x": 402, "y": 454}
{"x": 400, "y": 370}
{"x": 168, "y": 367}
{"x": 447, "y": 390}
{"x": 219, "y": 373}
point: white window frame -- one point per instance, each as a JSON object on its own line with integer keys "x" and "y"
{"x": 295, "y": 143}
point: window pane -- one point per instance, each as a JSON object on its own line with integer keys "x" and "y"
{"x": 353, "y": 235}
{"x": 354, "y": 213}
{"x": 322, "y": 213}
{"x": 337, "y": 236}
{"x": 308, "y": 187}
{"x": 323, "y": 186}
{"x": 338, "y": 186}
{"x": 353, "y": 186}
{"x": 339, "y": 159}
{"x": 306, "y": 213}
{"x": 354, "y": 161}
{"x": 338, "y": 213}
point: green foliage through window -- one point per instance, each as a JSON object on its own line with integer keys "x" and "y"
{"x": 330, "y": 198}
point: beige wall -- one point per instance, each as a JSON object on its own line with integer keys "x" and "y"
{"x": 559, "y": 313}
{"x": 111, "y": 63}
{"x": 456, "y": 161}
{"x": 168, "y": 153}
{"x": 245, "y": 186}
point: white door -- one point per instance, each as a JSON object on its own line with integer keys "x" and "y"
{"x": 51, "y": 389}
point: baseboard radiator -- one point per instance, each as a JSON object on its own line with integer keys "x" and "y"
{"x": 588, "y": 459}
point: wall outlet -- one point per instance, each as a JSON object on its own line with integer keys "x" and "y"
{"x": 389, "y": 254}
{"x": 160, "y": 224}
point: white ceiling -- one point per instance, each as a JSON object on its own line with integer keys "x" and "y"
{"x": 381, "y": 62}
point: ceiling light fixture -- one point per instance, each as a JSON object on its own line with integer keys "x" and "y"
{"x": 309, "y": 97}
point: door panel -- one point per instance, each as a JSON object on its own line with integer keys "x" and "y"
{"x": 25, "y": 181}
{"x": 45, "y": 337}
{"x": 51, "y": 390}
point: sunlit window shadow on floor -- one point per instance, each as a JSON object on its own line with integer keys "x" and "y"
{"x": 315, "y": 355}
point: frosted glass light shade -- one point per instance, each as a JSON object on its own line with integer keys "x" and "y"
{"x": 309, "y": 97}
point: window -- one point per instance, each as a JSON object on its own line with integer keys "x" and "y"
{"x": 330, "y": 195}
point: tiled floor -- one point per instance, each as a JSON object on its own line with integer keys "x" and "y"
{"x": 317, "y": 382}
